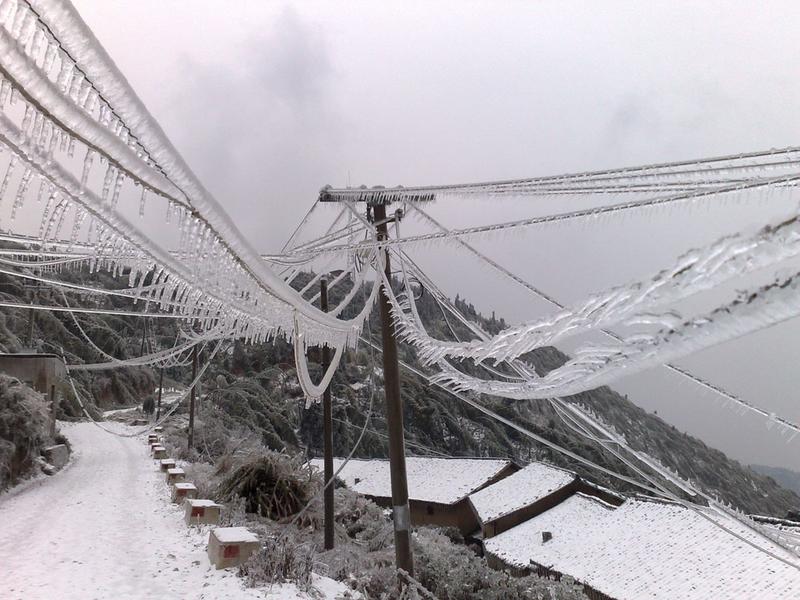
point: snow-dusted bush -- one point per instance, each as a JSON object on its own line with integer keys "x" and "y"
{"x": 364, "y": 536}
{"x": 453, "y": 572}
{"x": 274, "y": 485}
{"x": 24, "y": 430}
{"x": 233, "y": 513}
{"x": 281, "y": 560}
{"x": 450, "y": 572}
{"x": 204, "y": 479}
{"x": 354, "y": 512}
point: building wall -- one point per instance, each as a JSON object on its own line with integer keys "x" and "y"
{"x": 43, "y": 372}
{"x": 38, "y": 371}
{"x": 590, "y": 490}
{"x": 459, "y": 515}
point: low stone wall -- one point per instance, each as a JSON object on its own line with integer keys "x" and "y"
{"x": 57, "y": 455}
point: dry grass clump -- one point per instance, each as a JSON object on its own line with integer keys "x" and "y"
{"x": 274, "y": 485}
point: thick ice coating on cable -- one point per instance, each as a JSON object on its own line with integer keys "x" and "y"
{"x": 77, "y": 101}
{"x": 696, "y": 271}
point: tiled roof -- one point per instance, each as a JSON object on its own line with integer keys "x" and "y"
{"x": 521, "y": 489}
{"x": 649, "y": 550}
{"x": 440, "y": 480}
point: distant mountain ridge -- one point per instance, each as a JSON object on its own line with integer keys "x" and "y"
{"x": 264, "y": 399}
{"x": 785, "y": 477}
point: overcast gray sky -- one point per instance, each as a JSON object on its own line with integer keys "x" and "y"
{"x": 270, "y": 101}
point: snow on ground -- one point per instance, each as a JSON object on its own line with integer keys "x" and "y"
{"x": 104, "y": 528}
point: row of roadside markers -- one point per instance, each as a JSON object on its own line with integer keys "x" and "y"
{"x": 227, "y": 546}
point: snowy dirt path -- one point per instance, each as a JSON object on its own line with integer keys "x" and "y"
{"x": 104, "y": 528}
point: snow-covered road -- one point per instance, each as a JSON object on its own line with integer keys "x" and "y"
{"x": 104, "y": 528}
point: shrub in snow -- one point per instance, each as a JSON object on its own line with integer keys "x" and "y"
{"x": 233, "y": 513}
{"x": 203, "y": 477}
{"x": 364, "y": 537}
{"x": 24, "y": 430}
{"x": 453, "y": 572}
{"x": 273, "y": 485}
{"x": 281, "y": 560}
{"x": 450, "y": 571}
{"x": 362, "y": 520}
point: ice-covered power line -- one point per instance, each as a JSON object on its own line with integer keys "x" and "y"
{"x": 596, "y": 365}
{"x": 691, "y": 174}
{"x": 694, "y": 272}
{"x": 748, "y": 254}
{"x": 608, "y": 439}
{"x": 735, "y": 192}
{"x": 63, "y": 98}
{"x": 54, "y": 67}
{"x": 75, "y": 100}
{"x": 699, "y": 270}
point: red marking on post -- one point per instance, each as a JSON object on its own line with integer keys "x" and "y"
{"x": 230, "y": 551}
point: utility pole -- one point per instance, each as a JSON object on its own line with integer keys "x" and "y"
{"x": 192, "y": 397}
{"x": 31, "y": 312}
{"x": 327, "y": 426}
{"x": 394, "y": 417}
{"x": 31, "y": 323}
{"x": 160, "y": 390}
{"x": 144, "y": 336}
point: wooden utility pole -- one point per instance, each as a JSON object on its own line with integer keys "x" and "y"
{"x": 327, "y": 427}
{"x": 160, "y": 390}
{"x": 192, "y": 396}
{"x": 144, "y": 336}
{"x": 394, "y": 417}
{"x": 31, "y": 323}
{"x": 34, "y": 296}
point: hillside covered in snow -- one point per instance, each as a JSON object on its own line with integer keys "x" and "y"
{"x": 255, "y": 387}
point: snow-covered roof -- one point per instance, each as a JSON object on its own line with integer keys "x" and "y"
{"x": 202, "y": 503}
{"x": 181, "y": 485}
{"x": 440, "y": 480}
{"x": 791, "y": 534}
{"x": 521, "y": 489}
{"x": 789, "y": 530}
{"x": 232, "y": 535}
{"x": 652, "y": 550}
{"x": 176, "y": 471}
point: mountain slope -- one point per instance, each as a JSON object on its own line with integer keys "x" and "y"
{"x": 255, "y": 387}
{"x": 784, "y": 477}
{"x": 437, "y": 422}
